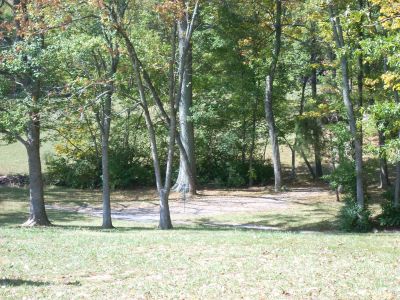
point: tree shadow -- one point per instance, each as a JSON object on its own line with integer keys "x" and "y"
{"x": 18, "y": 282}
{"x": 18, "y": 218}
{"x": 314, "y": 220}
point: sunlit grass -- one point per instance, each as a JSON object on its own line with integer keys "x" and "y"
{"x": 14, "y": 160}
{"x": 76, "y": 259}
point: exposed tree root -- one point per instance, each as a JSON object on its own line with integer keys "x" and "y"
{"x": 33, "y": 222}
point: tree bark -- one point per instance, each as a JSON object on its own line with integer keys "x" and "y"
{"x": 338, "y": 35}
{"x": 269, "y": 113}
{"x": 105, "y": 135}
{"x": 396, "y": 200}
{"x": 183, "y": 182}
{"x": 37, "y": 214}
{"x": 383, "y": 167}
{"x": 301, "y": 111}
{"x": 253, "y": 141}
{"x": 317, "y": 126}
{"x": 104, "y": 124}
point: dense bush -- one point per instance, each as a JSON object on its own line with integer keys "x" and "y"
{"x": 343, "y": 176}
{"x": 351, "y": 217}
{"x": 390, "y": 216}
{"x": 354, "y": 219}
{"x": 233, "y": 173}
{"x": 127, "y": 171}
{"x": 85, "y": 171}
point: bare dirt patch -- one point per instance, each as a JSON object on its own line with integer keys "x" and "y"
{"x": 145, "y": 207}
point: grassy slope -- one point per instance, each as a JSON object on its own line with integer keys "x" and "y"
{"x": 78, "y": 260}
{"x": 14, "y": 160}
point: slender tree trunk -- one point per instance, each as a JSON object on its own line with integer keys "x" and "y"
{"x": 338, "y": 35}
{"x": 105, "y": 135}
{"x": 183, "y": 182}
{"x": 317, "y": 125}
{"x": 360, "y": 67}
{"x": 293, "y": 172}
{"x": 127, "y": 131}
{"x": 383, "y": 169}
{"x": 253, "y": 142}
{"x": 301, "y": 111}
{"x": 354, "y": 133}
{"x": 269, "y": 81}
{"x": 396, "y": 200}
{"x": 309, "y": 167}
{"x": 37, "y": 215}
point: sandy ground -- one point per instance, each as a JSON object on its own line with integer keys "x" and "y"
{"x": 207, "y": 203}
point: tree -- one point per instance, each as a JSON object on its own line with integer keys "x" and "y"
{"x": 183, "y": 182}
{"x": 269, "y": 82}
{"x": 26, "y": 71}
{"x": 175, "y": 16}
{"x": 340, "y": 44}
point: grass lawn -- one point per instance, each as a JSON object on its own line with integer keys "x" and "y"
{"x": 14, "y": 160}
{"x": 75, "y": 259}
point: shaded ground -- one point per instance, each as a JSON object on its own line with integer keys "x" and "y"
{"x": 210, "y": 207}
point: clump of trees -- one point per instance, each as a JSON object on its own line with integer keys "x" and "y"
{"x": 125, "y": 87}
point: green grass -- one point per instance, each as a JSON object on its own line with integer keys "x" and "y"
{"x": 76, "y": 259}
{"x": 14, "y": 160}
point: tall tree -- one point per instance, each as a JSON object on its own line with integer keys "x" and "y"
{"x": 269, "y": 83}
{"x": 183, "y": 182}
{"x": 340, "y": 44}
{"x": 23, "y": 65}
{"x": 174, "y": 17}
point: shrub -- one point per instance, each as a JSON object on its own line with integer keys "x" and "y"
{"x": 390, "y": 216}
{"x": 126, "y": 171}
{"x": 354, "y": 219}
{"x": 84, "y": 172}
{"x": 233, "y": 173}
{"x": 343, "y": 176}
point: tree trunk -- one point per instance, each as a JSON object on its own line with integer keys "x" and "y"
{"x": 317, "y": 125}
{"x": 338, "y": 35}
{"x": 354, "y": 133}
{"x": 269, "y": 81}
{"x": 37, "y": 215}
{"x": 105, "y": 134}
{"x": 301, "y": 111}
{"x": 253, "y": 142}
{"x": 383, "y": 170}
{"x": 165, "y": 216}
{"x": 293, "y": 172}
{"x": 396, "y": 200}
{"x": 183, "y": 182}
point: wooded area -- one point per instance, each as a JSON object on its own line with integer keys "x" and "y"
{"x": 261, "y": 131}
{"x": 122, "y": 88}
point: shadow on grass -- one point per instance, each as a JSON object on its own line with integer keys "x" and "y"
{"x": 18, "y": 218}
{"x": 18, "y": 282}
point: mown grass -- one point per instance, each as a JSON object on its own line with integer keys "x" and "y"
{"x": 77, "y": 260}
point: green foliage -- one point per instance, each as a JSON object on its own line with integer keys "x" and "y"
{"x": 354, "y": 219}
{"x": 126, "y": 171}
{"x": 233, "y": 173}
{"x": 80, "y": 173}
{"x": 343, "y": 176}
{"x": 390, "y": 216}
{"x": 84, "y": 171}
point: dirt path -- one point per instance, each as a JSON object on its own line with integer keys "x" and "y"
{"x": 208, "y": 203}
